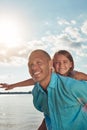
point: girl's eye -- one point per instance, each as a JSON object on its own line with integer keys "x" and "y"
{"x": 56, "y": 62}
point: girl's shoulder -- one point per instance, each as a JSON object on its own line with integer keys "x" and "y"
{"x": 74, "y": 74}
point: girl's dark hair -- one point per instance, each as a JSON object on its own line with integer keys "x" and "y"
{"x": 66, "y": 54}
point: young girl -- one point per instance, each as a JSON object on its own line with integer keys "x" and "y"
{"x": 63, "y": 64}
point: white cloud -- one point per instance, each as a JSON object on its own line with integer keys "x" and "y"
{"x": 74, "y": 33}
{"x": 84, "y": 28}
{"x": 73, "y": 22}
{"x": 65, "y": 22}
{"x": 69, "y": 38}
{"x": 50, "y": 43}
{"x": 62, "y": 22}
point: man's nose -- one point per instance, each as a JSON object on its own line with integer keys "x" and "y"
{"x": 34, "y": 66}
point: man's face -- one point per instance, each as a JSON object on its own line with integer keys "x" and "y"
{"x": 39, "y": 67}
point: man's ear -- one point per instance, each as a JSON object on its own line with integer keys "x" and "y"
{"x": 51, "y": 64}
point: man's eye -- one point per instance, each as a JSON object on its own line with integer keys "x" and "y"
{"x": 30, "y": 65}
{"x": 39, "y": 63}
{"x": 65, "y": 61}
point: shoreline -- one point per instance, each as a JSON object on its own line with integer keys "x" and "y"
{"x": 15, "y": 92}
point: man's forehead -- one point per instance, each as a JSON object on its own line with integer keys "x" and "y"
{"x": 37, "y": 54}
{"x": 40, "y": 55}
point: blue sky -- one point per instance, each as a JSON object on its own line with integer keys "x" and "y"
{"x": 51, "y": 25}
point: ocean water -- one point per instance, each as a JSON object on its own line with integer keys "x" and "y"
{"x": 18, "y": 113}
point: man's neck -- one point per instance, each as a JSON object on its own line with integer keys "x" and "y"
{"x": 44, "y": 84}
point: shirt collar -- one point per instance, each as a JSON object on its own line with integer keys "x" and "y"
{"x": 52, "y": 83}
{"x": 53, "y": 80}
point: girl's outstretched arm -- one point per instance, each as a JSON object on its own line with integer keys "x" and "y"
{"x": 80, "y": 76}
{"x": 24, "y": 83}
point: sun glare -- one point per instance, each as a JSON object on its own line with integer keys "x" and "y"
{"x": 10, "y": 32}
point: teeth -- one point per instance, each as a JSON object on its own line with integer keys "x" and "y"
{"x": 36, "y": 73}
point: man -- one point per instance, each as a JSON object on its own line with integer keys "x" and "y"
{"x": 61, "y": 99}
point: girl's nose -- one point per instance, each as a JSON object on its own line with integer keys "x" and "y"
{"x": 61, "y": 64}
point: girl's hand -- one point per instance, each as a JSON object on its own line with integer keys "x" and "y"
{"x": 5, "y": 86}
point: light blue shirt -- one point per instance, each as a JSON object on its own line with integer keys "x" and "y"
{"x": 63, "y": 104}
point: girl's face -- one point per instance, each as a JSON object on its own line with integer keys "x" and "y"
{"x": 62, "y": 64}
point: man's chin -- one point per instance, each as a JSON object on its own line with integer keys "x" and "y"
{"x": 36, "y": 79}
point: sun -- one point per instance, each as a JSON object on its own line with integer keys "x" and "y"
{"x": 10, "y": 32}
